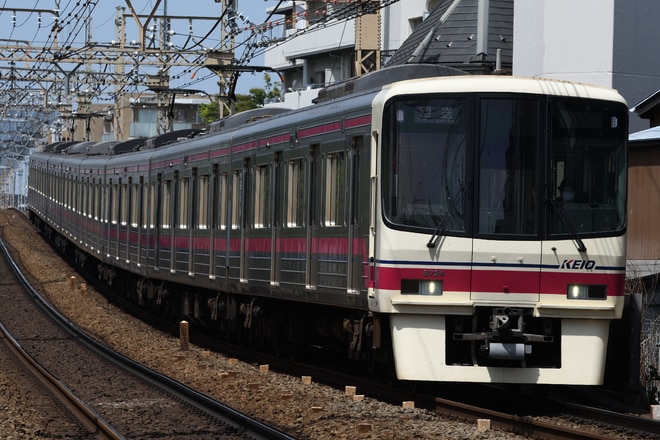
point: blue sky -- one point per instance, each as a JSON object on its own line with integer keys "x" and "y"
{"x": 35, "y": 29}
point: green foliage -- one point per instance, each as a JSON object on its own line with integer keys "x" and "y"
{"x": 256, "y": 98}
{"x": 209, "y": 112}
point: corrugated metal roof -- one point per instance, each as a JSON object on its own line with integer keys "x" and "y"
{"x": 645, "y": 135}
{"x": 450, "y": 33}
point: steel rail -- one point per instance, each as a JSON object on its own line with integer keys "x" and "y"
{"x": 250, "y": 426}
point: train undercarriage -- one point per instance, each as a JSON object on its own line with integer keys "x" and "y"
{"x": 286, "y": 328}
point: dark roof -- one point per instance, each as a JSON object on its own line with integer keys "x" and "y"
{"x": 377, "y": 79}
{"x": 647, "y": 105}
{"x": 449, "y": 36}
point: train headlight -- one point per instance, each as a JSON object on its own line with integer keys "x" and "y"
{"x": 586, "y": 291}
{"x": 431, "y": 287}
{"x": 424, "y": 287}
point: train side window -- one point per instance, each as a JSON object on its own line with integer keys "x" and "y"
{"x": 221, "y": 201}
{"x": 167, "y": 204}
{"x": 75, "y": 195}
{"x": 145, "y": 203}
{"x": 123, "y": 211}
{"x": 85, "y": 191}
{"x": 262, "y": 197}
{"x": 203, "y": 203}
{"x": 102, "y": 202}
{"x": 235, "y": 200}
{"x": 88, "y": 208}
{"x": 152, "y": 206}
{"x": 295, "y": 193}
{"x": 312, "y": 187}
{"x": 135, "y": 206}
{"x": 72, "y": 190}
{"x": 69, "y": 191}
{"x": 183, "y": 204}
{"x": 65, "y": 199}
{"x": 77, "y": 200}
{"x": 97, "y": 199}
{"x": 115, "y": 203}
{"x": 335, "y": 189}
{"x": 112, "y": 202}
{"x": 356, "y": 145}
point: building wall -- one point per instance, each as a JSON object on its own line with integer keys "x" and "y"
{"x": 644, "y": 202}
{"x": 300, "y": 58}
{"x": 564, "y": 39}
{"x": 636, "y": 64}
{"x": 605, "y": 42}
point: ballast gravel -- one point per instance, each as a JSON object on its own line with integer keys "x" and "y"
{"x": 303, "y": 410}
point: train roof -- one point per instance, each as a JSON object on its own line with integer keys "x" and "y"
{"x": 101, "y": 147}
{"x": 170, "y": 137}
{"x": 79, "y": 147}
{"x": 378, "y": 79}
{"x": 246, "y": 117}
{"x": 58, "y": 147}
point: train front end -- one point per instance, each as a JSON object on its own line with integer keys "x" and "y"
{"x": 499, "y": 216}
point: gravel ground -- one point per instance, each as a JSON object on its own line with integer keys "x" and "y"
{"x": 306, "y": 411}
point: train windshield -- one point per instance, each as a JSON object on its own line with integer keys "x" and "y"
{"x": 493, "y": 165}
{"x": 587, "y": 183}
{"x": 425, "y": 163}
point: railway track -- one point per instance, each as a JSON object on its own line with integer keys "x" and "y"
{"x": 75, "y": 417}
{"x": 113, "y": 396}
{"x": 513, "y": 424}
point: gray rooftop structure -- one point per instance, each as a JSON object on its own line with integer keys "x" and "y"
{"x": 465, "y": 34}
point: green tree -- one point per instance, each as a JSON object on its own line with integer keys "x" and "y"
{"x": 256, "y": 98}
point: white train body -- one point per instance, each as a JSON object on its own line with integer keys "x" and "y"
{"x": 430, "y": 207}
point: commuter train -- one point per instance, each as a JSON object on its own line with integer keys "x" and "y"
{"x": 416, "y": 217}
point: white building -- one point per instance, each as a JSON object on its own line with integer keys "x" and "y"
{"x": 321, "y": 46}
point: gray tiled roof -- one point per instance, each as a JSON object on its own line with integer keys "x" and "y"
{"x": 453, "y": 41}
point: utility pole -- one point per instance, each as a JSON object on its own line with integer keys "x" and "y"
{"x": 367, "y": 37}
{"x": 220, "y": 61}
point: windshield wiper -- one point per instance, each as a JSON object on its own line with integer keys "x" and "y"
{"x": 559, "y": 209}
{"x": 438, "y": 231}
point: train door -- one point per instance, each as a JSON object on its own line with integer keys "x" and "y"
{"x": 115, "y": 224}
{"x": 133, "y": 236}
{"x": 238, "y": 216}
{"x": 196, "y": 211}
{"x": 200, "y": 243}
{"x": 332, "y": 252}
{"x": 259, "y": 252}
{"x": 220, "y": 231}
{"x": 124, "y": 233}
{"x": 311, "y": 263}
{"x": 507, "y": 245}
{"x": 157, "y": 220}
{"x": 143, "y": 227}
{"x": 244, "y": 219}
{"x": 276, "y": 196}
{"x": 294, "y": 272}
{"x": 356, "y": 245}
